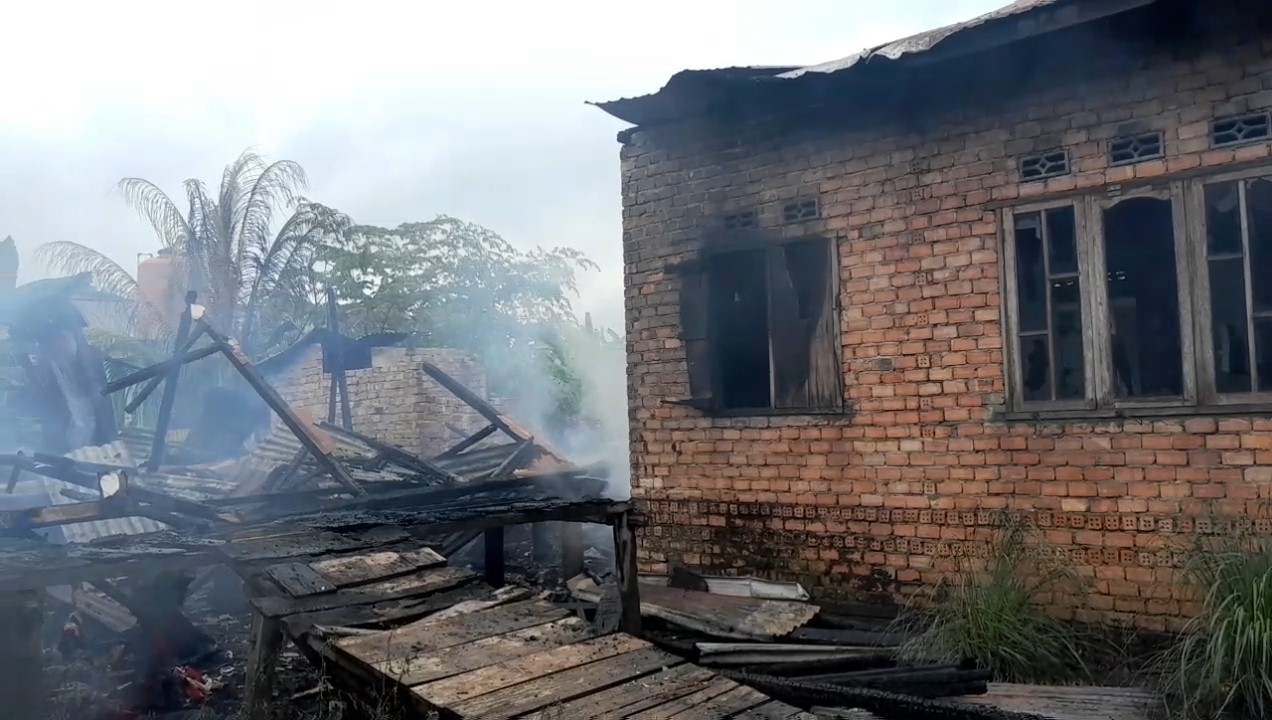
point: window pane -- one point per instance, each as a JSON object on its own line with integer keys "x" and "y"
{"x": 1263, "y": 346}
{"x": 1228, "y": 320}
{"x": 1259, "y": 225}
{"x": 1031, "y": 278}
{"x": 1062, "y": 243}
{"x": 1066, "y": 326}
{"x": 1223, "y": 219}
{"x": 1144, "y": 313}
{"x": 1035, "y": 368}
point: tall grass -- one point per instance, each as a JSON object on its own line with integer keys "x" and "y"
{"x": 1222, "y": 663}
{"x": 992, "y": 614}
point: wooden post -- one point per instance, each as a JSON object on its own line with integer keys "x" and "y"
{"x": 626, "y": 570}
{"x": 267, "y": 640}
{"x": 337, "y": 361}
{"x": 157, "y": 447}
{"x": 571, "y": 550}
{"x": 494, "y": 547}
{"x": 22, "y": 687}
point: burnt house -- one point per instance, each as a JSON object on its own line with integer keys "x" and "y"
{"x": 1021, "y": 264}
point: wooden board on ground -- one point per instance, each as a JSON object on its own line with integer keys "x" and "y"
{"x": 378, "y": 615}
{"x": 419, "y": 669}
{"x": 556, "y": 688}
{"x": 715, "y": 689}
{"x": 418, "y": 583}
{"x": 361, "y": 569}
{"x": 734, "y": 701}
{"x": 470, "y": 685}
{"x": 299, "y": 580}
{"x": 774, "y": 710}
{"x": 1072, "y": 703}
{"x": 424, "y": 635}
{"x": 633, "y": 696}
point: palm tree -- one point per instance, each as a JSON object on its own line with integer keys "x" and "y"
{"x": 223, "y": 246}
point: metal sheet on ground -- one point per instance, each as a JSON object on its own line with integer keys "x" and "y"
{"x": 482, "y": 653}
{"x": 492, "y": 678}
{"x": 566, "y": 685}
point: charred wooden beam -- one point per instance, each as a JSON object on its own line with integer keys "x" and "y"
{"x": 54, "y": 515}
{"x": 338, "y": 382}
{"x": 172, "y": 374}
{"x": 302, "y": 430}
{"x": 514, "y": 458}
{"x": 571, "y": 549}
{"x": 627, "y": 572}
{"x": 21, "y": 655}
{"x": 494, "y": 556}
{"x": 469, "y": 441}
{"x": 267, "y": 640}
{"x": 486, "y": 410}
{"x": 397, "y": 454}
{"x": 430, "y": 521}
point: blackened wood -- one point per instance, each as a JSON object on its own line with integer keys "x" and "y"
{"x": 424, "y": 582}
{"x": 627, "y": 573}
{"x": 429, "y": 521}
{"x": 540, "y": 543}
{"x": 21, "y": 655}
{"x": 144, "y": 393}
{"x": 337, "y": 364}
{"x": 488, "y": 411}
{"x": 494, "y": 548}
{"x": 469, "y": 441}
{"x": 300, "y": 580}
{"x": 16, "y": 473}
{"x": 302, "y": 430}
{"x": 171, "y": 375}
{"x": 571, "y": 549}
{"x": 513, "y": 461}
{"x": 397, "y": 454}
{"x": 267, "y": 640}
{"x": 822, "y": 636}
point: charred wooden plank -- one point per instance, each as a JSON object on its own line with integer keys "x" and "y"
{"x": 423, "y": 582}
{"x": 438, "y": 521}
{"x": 627, "y": 572}
{"x": 396, "y": 454}
{"x": 724, "y": 705}
{"x": 469, "y": 441}
{"x": 714, "y": 689}
{"x": 303, "y": 431}
{"x": 370, "y": 567}
{"x": 299, "y": 580}
{"x": 267, "y": 640}
{"x": 633, "y": 696}
{"x": 388, "y": 613}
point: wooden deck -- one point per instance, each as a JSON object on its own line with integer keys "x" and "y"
{"x": 530, "y": 659}
{"x": 398, "y": 622}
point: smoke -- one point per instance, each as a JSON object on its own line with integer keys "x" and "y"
{"x": 572, "y": 390}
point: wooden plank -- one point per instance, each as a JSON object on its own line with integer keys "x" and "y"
{"x": 730, "y": 703}
{"x": 267, "y": 640}
{"x": 560, "y": 687}
{"x": 632, "y": 696}
{"x": 423, "y": 582}
{"x": 771, "y": 710}
{"x": 424, "y": 635}
{"x": 626, "y": 570}
{"x": 458, "y": 659}
{"x": 717, "y": 687}
{"x": 389, "y": 612}
{"x": 359, "y": 569}
{"x": 493, "y": 543}
{"x": 470, "y": 685}
{"x": 290, "y": 544}
{"x": 299, "y": 580}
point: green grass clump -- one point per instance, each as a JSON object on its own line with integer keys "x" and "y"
{"x": 1222, "y": 664}
{"x": 992, "y": 615}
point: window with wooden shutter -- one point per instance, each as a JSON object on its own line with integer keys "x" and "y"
{"x": 695, "y": 333}
{"x": 760, "y": 326}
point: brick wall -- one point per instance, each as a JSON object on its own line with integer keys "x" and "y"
{"x": 393, "y": 400}
{"x": 891, "y": 497}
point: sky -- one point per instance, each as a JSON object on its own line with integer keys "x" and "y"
{"x": 399, "y": 111}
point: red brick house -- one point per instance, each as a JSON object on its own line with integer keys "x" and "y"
{"x": 1022, "y": 263}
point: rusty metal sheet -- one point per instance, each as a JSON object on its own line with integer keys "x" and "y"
{"x": 719, "y": 615}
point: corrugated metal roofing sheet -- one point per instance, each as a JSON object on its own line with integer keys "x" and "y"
{"x": 691, "y": 91}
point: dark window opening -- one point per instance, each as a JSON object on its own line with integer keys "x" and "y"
{"x": 1143, "y": 299}
{"x": 1239, "y": 259}
{"x": 739, "y": 315}
{"x": 1136, "y": 148}
{"x": 1044, "y": 165}
{"x": 1049, "y": 307}
{"x": 1227, "y": 132}
{"x": 760, "y": 329}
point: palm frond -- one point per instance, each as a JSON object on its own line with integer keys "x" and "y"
{"x": 71, "y": 258}
{"x": 158, "y": 209}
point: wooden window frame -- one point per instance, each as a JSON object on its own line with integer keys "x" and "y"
{"x": 743, "y": 241}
